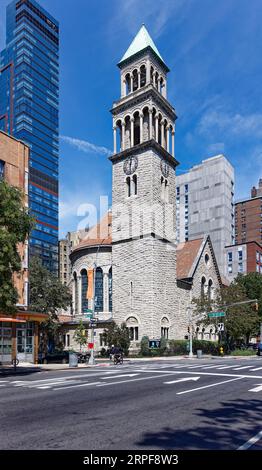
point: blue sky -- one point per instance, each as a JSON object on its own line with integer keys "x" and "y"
{"x": 214, "y": 52}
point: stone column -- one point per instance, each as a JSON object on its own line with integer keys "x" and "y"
{"x": 158, "y": 84}
{"x": 141, "y": 128}
{"x": 147, "y": 71}
{"x": 167, "y": 139}
{"x": 79, "y": 286}
{"x": 132, "y": 131}
{"x": 150, "y": 123}
{"x": 165, "y": 89}
{"x": 115, "y": 149}
{"x": 105, "y": 290}
{"x": 139, "y": 79}
{"x": 131, "y": 83}
{"x": 123, "y": 136}
{"x": 162, "y": 134}
{"x": 154, "y": 79}
{"x": 156, "y": 128}
{"x": 173, "y": 143}
{"x": 73, "y": 296}
{"x": 123, "y": 87}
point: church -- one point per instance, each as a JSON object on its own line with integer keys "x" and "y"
{"x": 142, "y": 276}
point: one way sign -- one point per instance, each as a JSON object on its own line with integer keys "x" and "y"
{"x": 220, "y": 326}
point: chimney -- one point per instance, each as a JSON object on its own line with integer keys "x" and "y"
{"x": 253, "y": 191}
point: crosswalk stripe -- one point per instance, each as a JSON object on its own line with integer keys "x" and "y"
{"x": 242, "y": 367}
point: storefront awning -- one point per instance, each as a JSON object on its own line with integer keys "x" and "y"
{"x": 11, "y": 320}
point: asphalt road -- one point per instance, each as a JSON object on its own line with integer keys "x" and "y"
{"x": 178, "y": 404}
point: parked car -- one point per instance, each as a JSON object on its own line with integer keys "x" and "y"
{"x": 55, "y": 356}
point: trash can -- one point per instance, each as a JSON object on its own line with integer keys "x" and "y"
{"x": 199, "y": 353}
{"x": 73, "y": 359}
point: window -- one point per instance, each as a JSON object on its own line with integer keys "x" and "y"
{"x": 257, "y": 268}
{"x": 134, "y": 180}
{"x": 240, "y": 267}
{"x": 128, "y": 185}
{"x": 203, "y": 284}
{"x": 210, "y": 289}
{"x": 110, "y": 289}
{"x": 164, "y": 332}
{"x": 186, "y": 199}
{"x": 207, "y": 259}
{"x": 186, "y": 188}
{"x": 230, "y": 257}
{"x": 133, "y": 333}
{"x": 178, "y": 190}
{"x": 257, "y": 255}
{"x": 99, "y": 290}
{"x": 84, "y": 300}
{"x": 240, "y": 255}
{"x": 229, "y": 268}
{"x": 2, "y": 169}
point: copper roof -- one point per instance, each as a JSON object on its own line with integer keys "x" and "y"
{"x": 186, "y": 256}
{"x": 100, "y": 234}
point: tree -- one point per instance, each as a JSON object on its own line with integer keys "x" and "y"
{"x": 80, "y": 335}
{"x": 252, "y": 283}
{"x": 240, "y": 322}
{"x": 15, "y": 226}
{"x": 118, "y": 336}
{"x": 47, "y": 295}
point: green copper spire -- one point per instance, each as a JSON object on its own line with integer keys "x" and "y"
{"x": 140, "y": 42}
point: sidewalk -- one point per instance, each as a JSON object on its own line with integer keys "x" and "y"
{"x": 27, "y": 368}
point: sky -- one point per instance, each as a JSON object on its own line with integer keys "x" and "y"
{"x": 213, "y": 50}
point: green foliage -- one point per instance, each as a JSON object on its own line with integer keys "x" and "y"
{"x": 163, "y": 346}
{"x": 118, "y": 336}
{"x": 242, "y": 352}
{"x": 15, "y": 226}
{"x": 177, "y": 347}
{"x": 144, "y": 346}
{"x": 80, "y": 335}
{"x": 47, "y": 295}
{"x": 241, "y": 321}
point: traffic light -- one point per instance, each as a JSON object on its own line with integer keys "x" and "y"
{"x": 186, "y": 337}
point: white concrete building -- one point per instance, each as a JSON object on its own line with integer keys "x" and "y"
{"x": 204, "y": 200}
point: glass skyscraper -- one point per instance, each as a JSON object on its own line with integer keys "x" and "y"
{"x": 29, "y": 108}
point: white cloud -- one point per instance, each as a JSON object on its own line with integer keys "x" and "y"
{"x": 216, "y": 148}
{"x": 85, "y": 146}
{"x": 214, "y": 121}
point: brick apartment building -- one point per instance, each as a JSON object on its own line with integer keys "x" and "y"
{"x": 248, "y": 217}
{"x": 19, "y": 332}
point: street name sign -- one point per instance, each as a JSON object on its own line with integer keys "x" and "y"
{"x": 216, "y": 314}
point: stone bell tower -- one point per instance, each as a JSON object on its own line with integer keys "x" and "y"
{"x": 143, "y": 208}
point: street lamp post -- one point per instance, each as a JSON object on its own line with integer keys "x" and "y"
{"x": 190, "y": 332}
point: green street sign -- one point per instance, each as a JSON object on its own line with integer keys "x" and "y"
{"x": 216, "y": 314}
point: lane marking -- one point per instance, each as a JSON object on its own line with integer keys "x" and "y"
{"x": 80, "y": 385}
{"x": 216, "y": 374}
{"x": 137, "y": 380}
{"x": 256, "y": 389}
{"x": 257, "y": 368}
{"x": 210, "y": 385}
{"x": 226, "y": 367}
{"x": 251, "y": 441}
{"x": 182, "y": 380}
{"x": 118, "y": 376}
{"x": 242, "y": 367}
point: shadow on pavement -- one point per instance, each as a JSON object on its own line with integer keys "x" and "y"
{"x": 19, "y": 370}
{"x": 226, "y": 427}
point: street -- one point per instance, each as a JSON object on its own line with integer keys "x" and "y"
{"x": 159, "y": 404}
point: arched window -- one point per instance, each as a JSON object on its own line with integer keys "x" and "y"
{"x": 135, "y": 80}
{"x": 210, "y": 289}
{"x": 84, "y": 301}
{"x": 110, "y": 289}
{"x": 143, "y": 75}
{"x": 128, "y": 84}
{"x": 99, "y": 290}
{"x": 132, "y": 325}
{"x": 128, "y": 186}
{"x": 136, "y": 128}
{"x": 203, "y": 283}
{"x": 134, "y": 181}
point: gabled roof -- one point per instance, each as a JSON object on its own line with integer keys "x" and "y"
{"x": 100, "y": 234}
{"x": 188, "y": 257}
{"x": 141, "y": 41}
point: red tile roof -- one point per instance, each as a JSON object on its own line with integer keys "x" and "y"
{"x": 186, "y": 256}
{"x": 100, "y": 234}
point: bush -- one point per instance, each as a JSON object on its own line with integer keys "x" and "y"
{"x": 177, "y": 347}
{"x": 208, "y": 347}
{"x": 243, "y": 352}
{"x": 163, "y": 346}
{"x": 144, "y": 346}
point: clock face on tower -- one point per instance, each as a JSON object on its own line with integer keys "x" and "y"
{"x": 164, "y": 168}
{"x": 130, "y": 165}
